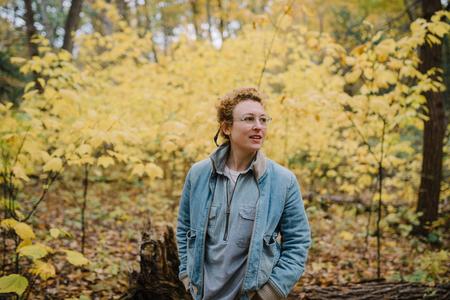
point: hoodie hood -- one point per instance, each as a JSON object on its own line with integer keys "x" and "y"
{"x": 220, "y": 155}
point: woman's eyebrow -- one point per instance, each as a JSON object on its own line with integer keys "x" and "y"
{"x": 252, "y": 114}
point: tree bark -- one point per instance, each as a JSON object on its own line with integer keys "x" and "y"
{"x": 42, "y": 12}
{"x": 374, "y": 291}
{"x": 31, "y": 29}
{"x": 434, "y": 133}
{"x": 149, "y": 27}
{"x": 123, "y": 9}
{"x": 221, "y": 21}
{"x": 31, "y": 32}
{"x": 72, "y": 22}
{"x": 158, "y": 274}
{"x": 195, "y": 12}
{"x": 208, "y": 17}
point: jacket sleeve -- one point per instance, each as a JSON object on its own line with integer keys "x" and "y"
{"x": 296, "y": 240}
{"x": 183, "y": 225}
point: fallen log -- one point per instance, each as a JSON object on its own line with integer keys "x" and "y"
{"x": 374, "y": 291}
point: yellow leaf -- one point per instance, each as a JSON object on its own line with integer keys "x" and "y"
{"x": 43, "y": 269}
{"x": 24, "y": 231}
{"x": 368, "y": 73}
{"x": 54, "y": 164}
{"x": 20, "y": 173}
{"x": 349, "y": 61}
{"x": 358, "y": 50}
{"x": 13, "y": 283}
{"x": 312, "y": 42}
{"x": 138, "y": 170}
{"x": 384, "y": 77}
{"x": 35, "y": 251}
{"x": 8, "y": 223}
{"x": 345, "y": 235}
{"x": 29, "y": 86}
{"x": 105, "y": 161}
{"x": 41, "y": 82}
{"x": 76, "y": 258}
{"x": 153, "y": 171}
{"x": 307, "y": 11}
{"x": 384, "y": 49}
{"x": 439, "y": 28}
{"x": 64, "y": 55}
{"x": 23, "y": 244}
{"x": 17, "y": 60}
{"x": 353, "y": 76}
{"x": 54, "y": 233}
{"x": 285, "y": 22}
{"x": 84, "y": 149}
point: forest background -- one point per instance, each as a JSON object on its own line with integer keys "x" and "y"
{"x": 106, "y": 104}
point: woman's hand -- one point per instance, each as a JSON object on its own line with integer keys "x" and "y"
{"x": 186, "y": 281}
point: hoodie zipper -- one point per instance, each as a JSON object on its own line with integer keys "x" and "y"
{"x": 228, "y": 211}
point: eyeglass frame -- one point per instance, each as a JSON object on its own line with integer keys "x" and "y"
{"x": 242, "y": 119}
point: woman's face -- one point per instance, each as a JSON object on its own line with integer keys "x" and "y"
{"x": 245, "y": 135}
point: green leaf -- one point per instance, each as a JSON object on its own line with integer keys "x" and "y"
{"x": 13, "y": 283}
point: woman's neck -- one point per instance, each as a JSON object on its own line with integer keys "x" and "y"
{"x": 239, "y": 160}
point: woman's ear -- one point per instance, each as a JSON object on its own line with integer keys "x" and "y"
{"x": 226, "y": 129}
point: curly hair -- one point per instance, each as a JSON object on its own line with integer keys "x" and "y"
{"x": 228, "y": 102}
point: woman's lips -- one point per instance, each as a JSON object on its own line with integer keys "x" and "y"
{"x": 256, "y": 138}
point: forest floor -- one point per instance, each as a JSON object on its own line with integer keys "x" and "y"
{"x": 340, "y": 251}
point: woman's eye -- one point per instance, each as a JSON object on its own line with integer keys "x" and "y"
{"x": 249, "y": 119}
{"x": 263, "y": 120}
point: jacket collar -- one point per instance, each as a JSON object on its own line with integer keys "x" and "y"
{"x": 220, "y": 155}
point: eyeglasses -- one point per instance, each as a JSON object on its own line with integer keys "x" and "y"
{"x": 251, "y": 120}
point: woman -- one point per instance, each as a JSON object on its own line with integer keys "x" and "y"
{"x": 233, "y": 207}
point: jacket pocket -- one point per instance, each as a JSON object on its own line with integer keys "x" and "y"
{"x": 190, "y": 237}
{"x": 269, "y": 256}
{"x": 212, "y": 220}
{"x": 245, "y": 225}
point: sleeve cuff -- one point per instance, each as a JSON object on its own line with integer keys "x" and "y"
{"x": 267, "y": 292}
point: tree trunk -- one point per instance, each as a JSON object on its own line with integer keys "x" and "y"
{"x": 434, "y": 133}
{"x": 31, "y": 29}
{"x": 221, "y": 21}
{"x": 31, "y": 32}
{"x": 123, "y": 9}
{"x": 72, "y": 22}
{"x": 42, "y": 12}
{"x": 149, "y": 27}
{"x": 194, "y": 8}
{"x": 208, "y": 17}
{"x": 158, "y": 274}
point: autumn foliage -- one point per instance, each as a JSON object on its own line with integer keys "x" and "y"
{"x": 109, "y": 114}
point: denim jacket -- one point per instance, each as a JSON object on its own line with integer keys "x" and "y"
{"x": 279, "y": 211}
